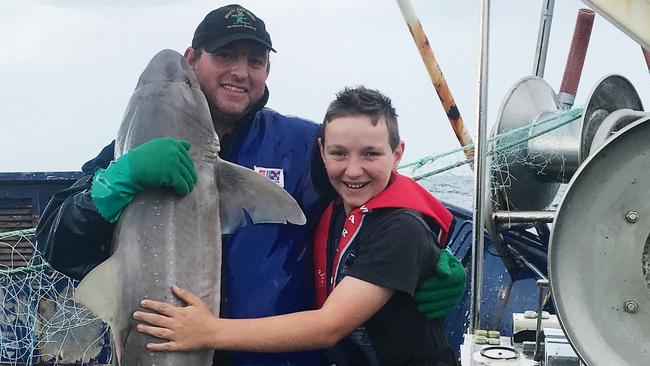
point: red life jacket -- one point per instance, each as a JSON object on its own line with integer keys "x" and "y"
{"x": 403, "y": 192}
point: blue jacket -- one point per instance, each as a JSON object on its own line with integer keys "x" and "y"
{"x": 267, "y": 269}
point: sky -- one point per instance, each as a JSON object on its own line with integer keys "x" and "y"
{"x": 68, "y": 67}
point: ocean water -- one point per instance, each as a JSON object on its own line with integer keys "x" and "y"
{"x": 452, "y": 188}
{"x": 458, "y": 189}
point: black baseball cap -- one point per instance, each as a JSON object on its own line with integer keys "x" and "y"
{"x": 227, "y": 24}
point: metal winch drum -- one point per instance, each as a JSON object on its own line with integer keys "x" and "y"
{"x": 599, "y": 256}
{"x": 541, "y": 164}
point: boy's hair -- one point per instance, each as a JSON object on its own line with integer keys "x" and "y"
{"x": 361, "y": 101}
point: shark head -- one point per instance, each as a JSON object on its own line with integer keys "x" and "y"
{"x": 168, "y": 66}
{"x": 168, "y": 102}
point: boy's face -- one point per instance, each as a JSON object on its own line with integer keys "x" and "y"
{"x": 358, "y": 158}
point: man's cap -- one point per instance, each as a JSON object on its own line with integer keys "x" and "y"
{"x": 227, "y": 24}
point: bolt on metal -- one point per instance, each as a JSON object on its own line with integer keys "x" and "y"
{"x": 632, "y": 216}
{"x": 631, "y": 307}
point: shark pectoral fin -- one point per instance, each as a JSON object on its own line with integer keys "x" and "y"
{"x": 241, "y": 189}
{"x": 99, "y": 293}
{"x": 98, "y": 290}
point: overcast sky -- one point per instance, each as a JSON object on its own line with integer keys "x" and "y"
{"x": 68, "y": 67}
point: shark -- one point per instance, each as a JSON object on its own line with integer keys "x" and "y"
{"x": 163, "y": 239}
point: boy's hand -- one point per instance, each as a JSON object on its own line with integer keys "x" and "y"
{"x": 440, "y": 294}
{"x": 183, "y": 328}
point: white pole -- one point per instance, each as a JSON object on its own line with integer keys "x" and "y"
{"x": 480, "y": 167}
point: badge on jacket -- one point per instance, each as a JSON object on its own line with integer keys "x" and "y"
{"x": 276, "y": 175}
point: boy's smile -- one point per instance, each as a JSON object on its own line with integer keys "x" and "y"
{"x": 355, "y": 186}
{"x": 358, "y": 158}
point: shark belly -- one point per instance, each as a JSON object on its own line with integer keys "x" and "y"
{"x": 168, "y": 241}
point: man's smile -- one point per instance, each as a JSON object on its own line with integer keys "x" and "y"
{"x": 234, "y": 89}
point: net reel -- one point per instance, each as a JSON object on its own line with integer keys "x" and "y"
{"x": 542, "y": 156}
{"x": 599, "y": 255}
{"x": 537, "y": 168}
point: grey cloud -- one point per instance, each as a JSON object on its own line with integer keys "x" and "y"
{"x": 108, "y": 3}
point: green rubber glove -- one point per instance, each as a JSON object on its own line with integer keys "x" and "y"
{"x": 438, "y": 295}
{"x": 161, "y": 162}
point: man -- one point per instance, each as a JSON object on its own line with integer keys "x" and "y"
{"x": 267, "y": 269}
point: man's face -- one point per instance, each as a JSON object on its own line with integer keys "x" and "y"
{"x": 233, "y": 77}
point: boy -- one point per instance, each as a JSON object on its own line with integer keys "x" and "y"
{"x": 377, "y": 240}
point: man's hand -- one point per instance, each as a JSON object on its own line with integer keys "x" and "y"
{"x": 183, "y": 328}
{"x": 440, "y": 294}
{"x": 161, "y": 162}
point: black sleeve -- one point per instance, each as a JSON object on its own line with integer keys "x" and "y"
{"x": 71, "y": 235}
{"x": 398, "y": 251}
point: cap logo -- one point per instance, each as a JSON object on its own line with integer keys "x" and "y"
{"x": 240, "y": 18}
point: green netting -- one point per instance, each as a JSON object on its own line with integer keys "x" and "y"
{"x": 506, "y": 144}
{"x": 503, "y": 151}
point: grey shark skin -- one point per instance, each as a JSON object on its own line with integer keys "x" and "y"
{"x": 162, "y": 239}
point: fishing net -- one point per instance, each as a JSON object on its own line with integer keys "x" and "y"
{"x": 445, "y": 174}
{"x": 40, "y": 324}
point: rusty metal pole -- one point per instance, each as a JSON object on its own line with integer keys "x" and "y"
{"x": 436, "y": 76}
{"x": 543, "y": 37}
{"x": 576, "y": 59}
